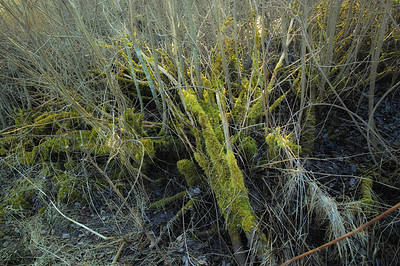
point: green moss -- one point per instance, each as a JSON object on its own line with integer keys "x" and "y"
{"x": 256, "y": 111}
{"x": 242, "y": 212}
{"x": 52, "y": 121}
{"x": 3, "y": 152}
{"x": 89, "y": 140}
{"x": 168, "y": 148}
{"x": 22, "y": 117}
{"x": 239, "y": 109}
{"x": 224, "y": 177}
{"x": 188, "y": 169}
{"x": 366, "y": 194}
{"x": 144, "y": 150}
{"x": 43, "y": 151}
{"x": 278, "y": 144}
{"x": 20, "y": 195}
{"x": 202, "y": 161}
{"x": 69, "y": 189}
{"x": 308, "y": 132}
{"x": 161, "y": 203}
{"x": 134, "y": 121}
{"x": 248, "y": 148}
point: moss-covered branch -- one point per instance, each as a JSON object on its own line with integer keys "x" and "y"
{"x": 226, "y": 181}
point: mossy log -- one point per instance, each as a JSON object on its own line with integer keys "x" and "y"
{"x": 226, "y": 181}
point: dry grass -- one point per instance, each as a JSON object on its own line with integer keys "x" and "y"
{"x": 65, "y": 55}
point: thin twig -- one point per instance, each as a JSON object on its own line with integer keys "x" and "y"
{"x": 121, "y": 247}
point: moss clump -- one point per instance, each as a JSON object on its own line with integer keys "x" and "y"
{"x": 133, "y": 121}
{"x": 42, "y": 210}
{"x": 60, "y": 138}
{"x": 256, "y": 111}
{"x": 278, "y": 144}
{"x": 20, "y": 196}
{"x": 161, "y": 203}
{"x": 146, "y": 150}
{"x": 188, "y": 169}
{"x": 43, "y": 151}
{"x": 68, "y": 188}
{"x": 3, "y": 151}
{"x": 50, "y": 122}
{"x": 366, "y": 194}
{"x": 239, "y": 109}
{"x": 202, "y": 161}
{"x": 242, "y": 214}
{"x": 22, "y": 117}
{"x": 248, "y": 147}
